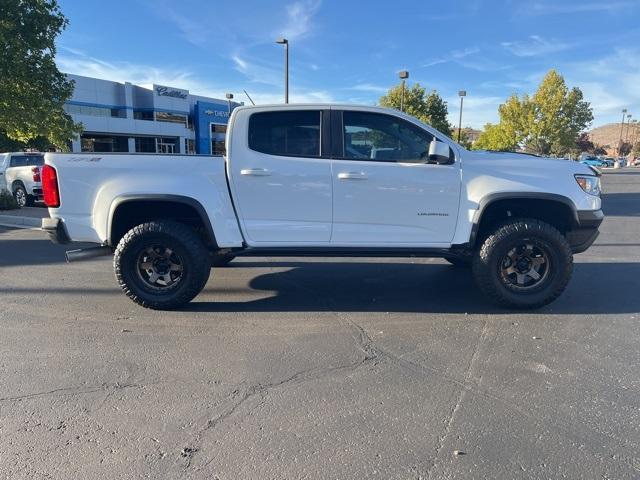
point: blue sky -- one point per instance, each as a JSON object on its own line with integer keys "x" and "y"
{"x": 351, "y": 51}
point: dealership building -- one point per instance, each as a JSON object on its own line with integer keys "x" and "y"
{"x": 121, "y": 117}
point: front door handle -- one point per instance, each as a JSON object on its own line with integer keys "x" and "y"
{"x": 256, "y": 172}
{"x": 352, "y": 176}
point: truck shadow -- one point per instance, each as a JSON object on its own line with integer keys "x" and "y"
{"x": 417, "y": 287}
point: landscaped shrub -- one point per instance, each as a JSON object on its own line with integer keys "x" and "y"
{"x": 7, "y": 202}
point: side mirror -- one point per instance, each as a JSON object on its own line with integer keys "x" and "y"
{"x": 439, "y": 152}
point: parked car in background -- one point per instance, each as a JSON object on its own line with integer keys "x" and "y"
{"x": 636, "y": 162}
{"x": 609, "y": 161}
{"x": 21, "y": 174}
{"x": 594, "y": 162}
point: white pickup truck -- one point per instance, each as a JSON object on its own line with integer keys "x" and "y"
{"x": 326, "y": 180}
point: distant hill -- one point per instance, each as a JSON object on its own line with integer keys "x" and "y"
{"x": 608, "y": 134}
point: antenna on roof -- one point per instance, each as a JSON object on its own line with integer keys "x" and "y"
{"x": 250, "y": 99}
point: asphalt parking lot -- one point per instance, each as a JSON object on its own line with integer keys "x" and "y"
{"x": 336, "y": 368}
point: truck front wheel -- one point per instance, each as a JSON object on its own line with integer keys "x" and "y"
{"x": 524, "y": 264}
{"x": 161, "y": 264}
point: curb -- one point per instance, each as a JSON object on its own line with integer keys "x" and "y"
{"x": 20, "y": 222}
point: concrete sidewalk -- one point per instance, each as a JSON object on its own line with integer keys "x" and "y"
{"x": 27, "y": 217}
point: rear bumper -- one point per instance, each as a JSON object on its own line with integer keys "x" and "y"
{"x": 56, "y": 230}
{"x": 586, "y": 230}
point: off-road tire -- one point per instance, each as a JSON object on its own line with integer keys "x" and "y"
{"x": 184, "y": 242}
{"x": 221, "y": 260}
{"x": 486, "y": 265}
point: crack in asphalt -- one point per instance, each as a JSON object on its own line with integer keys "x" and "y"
{"x": 459, "y": 398}
{"x": 73, "y": 391}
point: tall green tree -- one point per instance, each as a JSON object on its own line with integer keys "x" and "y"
{"x": 548, "y": 122}
{"x": 32, "y": 89}
{"x": 427, "y": 107}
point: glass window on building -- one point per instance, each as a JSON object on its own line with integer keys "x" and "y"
{"x": 145, "y": 144}
{"x": 189, "y": 146}
{"x": 218, "y": 132}
{"x": 171, "y": 117}
{"x": 143, "y": 115}
{"x": 95, "y": 111}
{"x": 166, "y": 145}
{"x": 104, "y": 143}
{"x": 218, "y": 147}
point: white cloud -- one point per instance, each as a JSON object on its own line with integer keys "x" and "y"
{"x": 476, "y": 111}
{"x": 299, "y": 16}
{"x": 452, "y": 56}
{"x": 368, "y": 87}
{"x": 546, "y": 8}
{"x": 258, "y": 72}
{"x": 77, "y": 62}
{"x": 609, "y": 83}
{"x": 534, "y": 46}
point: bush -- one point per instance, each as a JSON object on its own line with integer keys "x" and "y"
{"x": 7, "y": 202}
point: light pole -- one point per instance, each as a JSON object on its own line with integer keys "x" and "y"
{"x": 285, "y": 42}
{"x": 624, "y": 111}
{"x": 626, "y": 137}
{"x": 461, "y": 94}
{"x": 229, "y": 98}
{"x": 404, "y": 74}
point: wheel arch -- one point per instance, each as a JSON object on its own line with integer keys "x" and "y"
{"x": 18, "y": 183}
{"x": 557, "y": 210}
{"x": 127, "y": 211}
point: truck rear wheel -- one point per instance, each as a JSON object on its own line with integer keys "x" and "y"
{"x": 20, "y": 194}
{"x": 524, "y": 264}
{"x": 160, "y": 264}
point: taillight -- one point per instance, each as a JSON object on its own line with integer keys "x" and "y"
{"x": 50, "y": 190}
{"x": 36, "y": 174}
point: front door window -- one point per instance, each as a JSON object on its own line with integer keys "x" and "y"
{"x": 383, "y": 138}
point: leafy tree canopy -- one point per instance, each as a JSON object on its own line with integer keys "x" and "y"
{"x": 427, "y": 107}
{"x": 548, "y": 122}
{"x": 32, "y": 89}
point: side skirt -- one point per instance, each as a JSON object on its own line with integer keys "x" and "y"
{"x": 345, "y": 252}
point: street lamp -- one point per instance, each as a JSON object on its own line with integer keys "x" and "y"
{"x": 624, "y": 111}
{"x": 404, "y": 74}
{"x": 229, "y": 98}
{"x": 285, "y": 42}
{"x": 461, "y": 94}
{"x": 626, "y": 137}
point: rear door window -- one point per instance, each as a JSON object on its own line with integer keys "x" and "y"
{"x": 27, "y": 161}
{"x": 288, "y": 133}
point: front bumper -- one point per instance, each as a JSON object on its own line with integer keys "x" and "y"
{"x": 56, "y": 230}
{"x": 586, "y": 231}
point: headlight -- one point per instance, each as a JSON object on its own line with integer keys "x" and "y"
{"x": 589, "y": 184}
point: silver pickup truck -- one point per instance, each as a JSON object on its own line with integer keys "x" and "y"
{"x": 20, "y": 174}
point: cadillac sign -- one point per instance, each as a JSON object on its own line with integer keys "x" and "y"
{"x": 162, "y": 91}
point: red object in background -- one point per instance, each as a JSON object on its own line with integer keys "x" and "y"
{"x": 50, "y": 186}
{"x": 36, "y": 174}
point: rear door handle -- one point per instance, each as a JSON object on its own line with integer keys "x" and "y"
{"x": 256, "y": 172}
{"x": 352, "y": 176}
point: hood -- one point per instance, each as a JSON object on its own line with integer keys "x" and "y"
{"x": 527, "y": 162}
